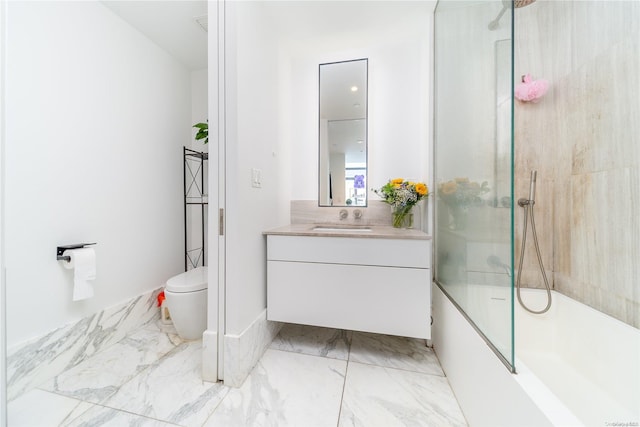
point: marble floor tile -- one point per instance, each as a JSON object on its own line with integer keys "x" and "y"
{"x": 107, "y": 417}
{"x": 377, "y": 396}
{"x": 285, "y": 389}
{"x": 313, "y": 340}
{"x": 171, "y": 389}
{"x": 32, "y": 363}
{"x": 152, "y": 378}
{"x": 100, "y": 376}
{"x": 394, "y": 352}
{"x": 41, "y": 408}
{"x": 167, "y": 329}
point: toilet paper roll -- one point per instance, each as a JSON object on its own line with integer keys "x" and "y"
{"x": 83, "y": 262}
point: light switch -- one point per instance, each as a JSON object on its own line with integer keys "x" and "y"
{"x": 256, "y": 178}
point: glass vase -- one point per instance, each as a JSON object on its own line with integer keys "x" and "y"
{"x": 402, "y": 217}
{"x": 459, "y": 218}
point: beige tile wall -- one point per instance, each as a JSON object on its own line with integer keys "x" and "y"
{"x": 584, "y": 140}
{"x": 376, "y": 212}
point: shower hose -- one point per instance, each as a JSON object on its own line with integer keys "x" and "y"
{"x": 528, "y": 211}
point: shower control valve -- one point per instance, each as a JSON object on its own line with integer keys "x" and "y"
{"x": 522, "y": 202}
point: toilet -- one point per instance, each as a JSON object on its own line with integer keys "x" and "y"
{"x": 186, "y": 296}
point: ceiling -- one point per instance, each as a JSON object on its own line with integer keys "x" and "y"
{"x": 169, "y": 24}
{"x": 172, "y": 26}
{"x": 343, "y": 90}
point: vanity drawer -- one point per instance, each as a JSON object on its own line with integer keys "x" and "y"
{"x": 350, "y": 250}
{"x": 386, "y": 300}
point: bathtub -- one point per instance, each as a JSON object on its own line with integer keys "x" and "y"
{"x": 574, "y": 365}
{"x": 589, "y": 361}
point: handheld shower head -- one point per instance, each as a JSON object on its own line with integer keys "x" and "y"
{"x": 532, "y": 186}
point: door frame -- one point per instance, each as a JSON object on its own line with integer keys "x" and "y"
{"x": 3, "y": 299}
{"x": 213, "y": 338}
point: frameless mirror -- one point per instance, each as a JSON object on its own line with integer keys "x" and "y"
{"x": 343, "y": 134}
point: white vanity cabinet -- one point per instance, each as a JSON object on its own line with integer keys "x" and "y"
{"x": 370, "y": 284}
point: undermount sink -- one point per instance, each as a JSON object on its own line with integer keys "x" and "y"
{"x": 337, "y": 228}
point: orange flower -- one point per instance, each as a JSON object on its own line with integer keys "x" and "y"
{"x": 421, "y": 189}
{"x": 449, "y": 187}
{"x": 397, "y": 182}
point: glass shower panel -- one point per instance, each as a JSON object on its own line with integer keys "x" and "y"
{"x": 473, "y": 167}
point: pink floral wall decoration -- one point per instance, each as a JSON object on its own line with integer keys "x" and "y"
{"x": 531, "y": 90}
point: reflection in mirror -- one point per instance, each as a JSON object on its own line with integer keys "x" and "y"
{"x": 503, "y": 93}
{"x": 343, "y": 134}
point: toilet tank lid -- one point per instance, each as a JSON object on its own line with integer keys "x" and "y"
{"x": 189, "y": 281}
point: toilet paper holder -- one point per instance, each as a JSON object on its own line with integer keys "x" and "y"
{"x": 60, "y": 250}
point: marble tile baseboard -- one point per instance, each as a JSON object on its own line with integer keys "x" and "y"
{"x": 242, "y": 352}
{"x": 34, "y": 362}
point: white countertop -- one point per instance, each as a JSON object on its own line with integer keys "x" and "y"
{"x": 338, "y": 230}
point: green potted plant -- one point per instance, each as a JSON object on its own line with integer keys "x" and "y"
{"x": 203, "y": 132}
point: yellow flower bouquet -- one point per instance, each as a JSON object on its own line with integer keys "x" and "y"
{"x": 462, "y": 193}
{"x": 402, "y": 196}
{"x": 459, "y": 195}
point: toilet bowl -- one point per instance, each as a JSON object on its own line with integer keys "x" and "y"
{"x": 186, "y": 296}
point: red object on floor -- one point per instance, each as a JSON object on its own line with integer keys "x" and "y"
{"x": 161, "y": 298}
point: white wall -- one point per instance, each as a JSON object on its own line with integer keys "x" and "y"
{"x": 253, "y": 141}
{"x": 274, "y": 49}
{"x": 199, "y": 105}
{"x": 96, "y": 117}
{"x": 398, "y": 109}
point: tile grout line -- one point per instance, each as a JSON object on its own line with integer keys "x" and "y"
{"x": 402, "y": 369}
{"x": 344, "y": 386}
{"x": 123, "y": 411}
{"x": 307, "y": 354}
{"x": 226, "y": 395}
{"x": 344, "y": 383}
{"x": 103, "y": 402}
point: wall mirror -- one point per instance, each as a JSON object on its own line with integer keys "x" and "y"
{"x": 343, "y": 133}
